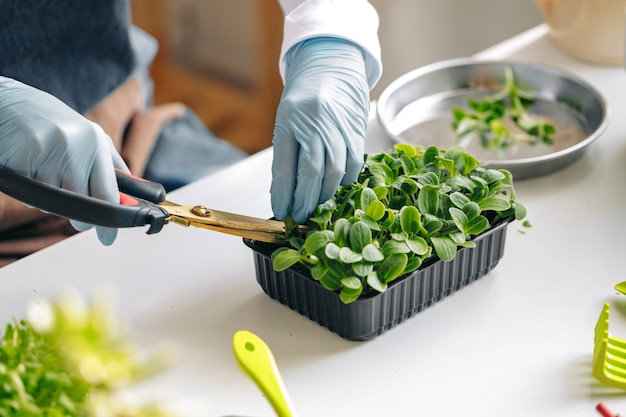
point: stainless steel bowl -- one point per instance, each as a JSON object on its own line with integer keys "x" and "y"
{"x": 417, "y": 108}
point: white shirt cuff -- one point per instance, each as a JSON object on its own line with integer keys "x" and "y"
{"x": 353, "y": 20}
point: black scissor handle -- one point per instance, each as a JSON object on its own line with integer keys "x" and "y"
{"x": 134, "y": 212}
{"x": 140, "y": 187}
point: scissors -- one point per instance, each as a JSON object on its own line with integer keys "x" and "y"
{"x": 142, "y": 203}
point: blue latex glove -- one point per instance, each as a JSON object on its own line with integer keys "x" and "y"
{"x": 320, "y": 125}
{"x": 44, "y": 139}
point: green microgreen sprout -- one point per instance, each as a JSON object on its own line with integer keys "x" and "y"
{"x": 408, "y": 206}
{"x": 69, "y": 358}
{"x": 502, "y": 120}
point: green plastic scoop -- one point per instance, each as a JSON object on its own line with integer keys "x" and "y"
{"x": 621, "y": 287}
{"x": 256, "y": 360}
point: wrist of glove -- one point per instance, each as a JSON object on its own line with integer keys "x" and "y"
{"x": 320, "y": 125}
{"x": 44, "y": 139}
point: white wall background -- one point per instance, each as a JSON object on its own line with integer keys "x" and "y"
{"x": 419, "y": 32}
{"x": 215, "y": 35}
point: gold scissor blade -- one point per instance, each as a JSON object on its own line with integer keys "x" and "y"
{"x": 248, "y": 234}
{"x": 200, "y": 216}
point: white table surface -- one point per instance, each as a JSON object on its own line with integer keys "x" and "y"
{"x": 518, "y": 342}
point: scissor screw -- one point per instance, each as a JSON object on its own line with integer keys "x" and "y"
{"x": 201, "y": 211}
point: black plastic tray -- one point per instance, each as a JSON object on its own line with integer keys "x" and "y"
{"x": 369, "y": 317}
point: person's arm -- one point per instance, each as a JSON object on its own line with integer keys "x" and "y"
{"x": 133, "y": 128}
{"x": 14, "y": 214}
{"x": 44, "y": 139}
{"x": 330, "y": 60}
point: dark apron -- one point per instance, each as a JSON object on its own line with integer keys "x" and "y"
{"x": 80, "y": 51}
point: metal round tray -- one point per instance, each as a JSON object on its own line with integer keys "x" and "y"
{"x": 417, "y": 108}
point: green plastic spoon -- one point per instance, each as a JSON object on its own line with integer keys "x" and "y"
{"x": 621, "y": 287}
{"x": 257, "y": 361}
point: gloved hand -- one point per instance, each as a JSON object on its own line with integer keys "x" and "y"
{"x": 44, "y": 139}
{"x": 320, "y": 125}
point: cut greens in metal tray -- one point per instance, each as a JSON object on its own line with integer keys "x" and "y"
{"x": 502, "y": 120}
{"x": 529, "y": 118}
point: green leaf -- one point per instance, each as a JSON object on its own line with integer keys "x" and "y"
{"x": 342, "y": 230}
{"x": 332, "y": 250}
{"x": 398, "y": 201}
{"x": 331, "y": 279}
{"x": 468, "y": 244}
{"x": 380, "y": 170}
{"x": 322, "y": 218}
{"x": 274, "y": 254}
{"x": 479, "y": 181}
{"x": 295, "y": 242}
{"x": 458, "y": 113}
{"x": 347, "y": 256}
{"x": 367, "y": 197}
{"x": 494, "y": 203}
{"x": 460, "y": 182}
{"x": 459, "y": 218}
{"x": 390, "y": 220}
{"x": 352, "y": 283}
{"x": 444, "y": 247}
{"x": 448, "y": 165}
{"x": 428, "y": 178}
{"x": 376, "y": 210}
{"x": 432, "y": 226}
{"x": 413, "y": 263}
{"x": 392, "y": 247}
{"x": 492, "y": 176}
{"x": 286, "y": 259}
{"x": 392, "y": 267}
{"x": 408, "y": 166}
{"x": 372, "y": 254}
{"x": 408, "y": 185}
{"x": 459, "y": 199}
{"x": 428, "y": 200}
{"x": 371, "y": 223}
{"x": 520, "y": 211}
{"x": 405, "y": 148}
{"x": 318, "y": 271}
{"x": 400, "y": 237}
{"x": 431, "y": 154}
{"x": 291, "y": 227}
{"x": 417, "y": 245}
{"x": 471, "y": 210}
{"x": 477, "y": 225}
{"x": 315, "y": 242}
{"x": 381, "y": 191}
{"x": 375, "y": 282}
{"x": 348, "y": 295}
{"x": 454, "y": 153}
{"x": 410, "y": 220}
{"x": 362, "y": 269}
{"x": 469, "y": 163}
{"x": 360, "y": 236}
{"x": 329, "y": 233}
{"x": 457, "y": 237}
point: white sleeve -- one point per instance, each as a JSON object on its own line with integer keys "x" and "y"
{"x": 354, "y": 20}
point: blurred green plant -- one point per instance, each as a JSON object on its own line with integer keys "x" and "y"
{"x": 502, "y": 120}
{"x": 69, "y": 358}
{"x": 407, "y": 206}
